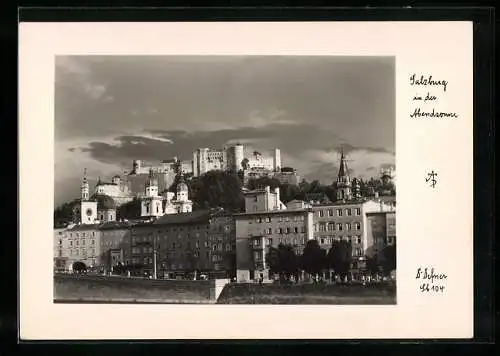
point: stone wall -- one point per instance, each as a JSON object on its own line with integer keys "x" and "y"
{"x": 69, "y": 288}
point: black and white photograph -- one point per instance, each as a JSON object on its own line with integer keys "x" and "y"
{"x": 225, "y": 179}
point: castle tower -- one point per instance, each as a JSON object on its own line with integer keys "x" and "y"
{"x": 344, "y": 187}
{"x": 277, "y": 160}
{"x": 151, "y": 202}
{"x": 238, "y": 156}
{"x": 88, "y": 209}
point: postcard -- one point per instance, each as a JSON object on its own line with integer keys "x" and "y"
{"x": 246, "y": 180}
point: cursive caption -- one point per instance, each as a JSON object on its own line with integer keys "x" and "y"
{"x": 431, "y": 281}
{"x": 425, "y": 102}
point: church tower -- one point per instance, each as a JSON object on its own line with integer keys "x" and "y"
{"x": 88, "y": 209}
{"x": 184, "y": 205}
{"x": 344, "y": 186}
{"x": 151, "y": 204}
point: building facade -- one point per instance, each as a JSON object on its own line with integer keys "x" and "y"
{"x": 266, "y": 223}
{"x": 114, "y": 244}
{"x": 348, "y": 222}
{"x": 79, "y": 243}
{"x": 202, "y": 240}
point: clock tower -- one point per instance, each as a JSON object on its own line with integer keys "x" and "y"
{"x": 88, "y": 209}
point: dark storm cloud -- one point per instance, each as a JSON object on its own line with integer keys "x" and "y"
{"x": 183, "y": 144}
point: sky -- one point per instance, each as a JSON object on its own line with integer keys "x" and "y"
{"x": 110, "y": 110}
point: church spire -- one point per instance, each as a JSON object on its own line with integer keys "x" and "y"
{"x": 343, "y": 176}
{"x": 344, "y": 191}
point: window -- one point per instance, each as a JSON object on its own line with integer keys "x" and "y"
{"x": 76, "y": 251}
{"x": 303, "y": 229}
{"x": 269, "y": 231}
{"x": 228, "y": 247}
{"x": 60, "y": 242}
{"x": 339, "y": 212}
{"x": 331, "y": 227}
{"x": 322, "y": 227}
{"x": 321, "y": 213}
{"x": 173, "y": 244}
{"x": 359, "y": 239}
{"x": 268, "y": 219}
{"x": 330, "y": 212}
{"x": 339, "y": 227}
{"x": 315, "y": 228}
{"x": 280, "y": 218}
{"x": 357, "y": 211}
{"x": 83, "y": 242}
{"x": 214, "y": 247}
{"x": 348, "y": 212}
{"x": 348, "y": 226}
{"x": 287, "y": 218}
{"x": 322, "y": 241}
{"x": 93, "y": 251}
{"x": 206, "y": 243}
{"x": 269, "y": 242}
{"x": 197, "y": 244}
{"x": 287, "y": 230}
{"x": 296, "y": 229}
{"x": 77, "y": 242}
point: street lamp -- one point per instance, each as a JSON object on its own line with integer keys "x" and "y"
{"x": 154, "y": 256}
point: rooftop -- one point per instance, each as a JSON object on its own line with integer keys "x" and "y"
{"x": 283, "y": 211}
{"x": 197, "y": 216}
{"x": 110, "y": 225}
{"x": 81, "y": 227}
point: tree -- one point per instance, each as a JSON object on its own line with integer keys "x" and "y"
{"x": 313, "y": 259}
{"x": 340, "y": 257}
{"x": 64, "y": 212}
{"x": 130, "y": 210}
{"x": 217, "y": 189}
{"x": 230, "y": 264}
{"x": 282, "y": 261}
{"x": 244, "y": 164}
{"x": 289, "y": 262}
{"x": 372, "y": 265}
{"x": 389, "y": 259}
{"x": 262, "y": 182}
{"x": 289, "y": 192}
{"x": 273, "y": 260}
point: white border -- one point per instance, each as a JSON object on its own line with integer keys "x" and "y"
{"x": 434, "y": 226}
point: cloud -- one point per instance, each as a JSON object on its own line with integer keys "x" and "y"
{"x": 73, "y": 72}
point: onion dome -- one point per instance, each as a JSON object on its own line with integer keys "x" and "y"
{"x": 105, "y": 202}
